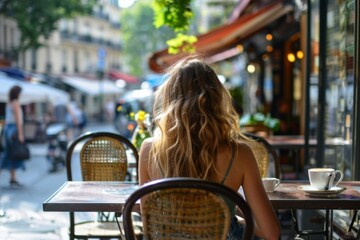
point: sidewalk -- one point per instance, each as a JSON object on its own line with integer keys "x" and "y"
{"x": 24, "y": 217}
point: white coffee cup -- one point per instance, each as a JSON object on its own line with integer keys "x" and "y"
{"x": 322, "y": 178}
{"x": 270, "y": 183}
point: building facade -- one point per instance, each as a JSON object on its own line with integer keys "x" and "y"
{"x": 84, "y": 44}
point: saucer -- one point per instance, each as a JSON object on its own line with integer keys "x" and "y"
{"x": 311, "y": 190}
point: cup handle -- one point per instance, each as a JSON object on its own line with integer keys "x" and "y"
{"x": 340, "y": 178}
{"x": 277, "y": 183}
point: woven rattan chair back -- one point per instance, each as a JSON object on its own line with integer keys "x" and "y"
{"x": 103, "y": 158}
{"x": 261, "y": 156}
{"x": 185, "y": 208}
{"x": 188, "y": 213}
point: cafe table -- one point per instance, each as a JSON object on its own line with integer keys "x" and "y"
{"x": 288, "y": 196}
{"x": 295, "y": 143}
{"x": 86, "y": 196}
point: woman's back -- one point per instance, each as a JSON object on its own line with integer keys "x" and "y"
{"x": 231, "y": 164}
{"x": 197, "y": 135}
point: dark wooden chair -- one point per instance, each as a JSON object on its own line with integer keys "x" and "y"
{"x": 186, "y": 208}
{"x": 103, "y": 157}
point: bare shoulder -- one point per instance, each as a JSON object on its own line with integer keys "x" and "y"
{"x": 244, "y": 152}
{"x": 146, "y": 144}
{"x": 243, "y": 148}
{"x": 145, "y": 148}
{"x": 243, "y": 165}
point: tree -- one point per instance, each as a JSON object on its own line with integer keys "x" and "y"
{"x": 140, "y": 36}
{"x": 36, "y": 19}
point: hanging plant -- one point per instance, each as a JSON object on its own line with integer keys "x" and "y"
{"x": 177, "y": 15}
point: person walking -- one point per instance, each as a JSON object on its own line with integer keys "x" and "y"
{"x": 13, "y": 131}
{"x": 197, "y": 135}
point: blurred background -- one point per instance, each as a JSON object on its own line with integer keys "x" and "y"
{"x": 290, "y": 65}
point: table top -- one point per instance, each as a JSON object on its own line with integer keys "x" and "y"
{"x": 288, "y": 196}
{"x": 84, "y": 196}
{"x": 298, "y": 141}
{"x": 89, "y": 196}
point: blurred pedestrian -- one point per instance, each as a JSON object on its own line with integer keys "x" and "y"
{"x": 109, "y": 110}
{"x": 76, "y": 120}
{"x": 13, "y": 130}
{"x": 60, "y": 112}
{"x": 64, "y": 113}
{"x": 82, "y": 120}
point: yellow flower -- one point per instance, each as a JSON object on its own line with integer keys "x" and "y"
{"x": 140, "y": 115}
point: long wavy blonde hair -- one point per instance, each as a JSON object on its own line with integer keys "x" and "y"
{"x": 194, "y": 118}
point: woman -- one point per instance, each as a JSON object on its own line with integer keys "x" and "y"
{"x": 197, "y": 135}
{"x": 13, "y": 129}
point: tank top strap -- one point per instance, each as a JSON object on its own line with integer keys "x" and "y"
{"x": 230, "y": 164}
{"x": 161, "y": 171}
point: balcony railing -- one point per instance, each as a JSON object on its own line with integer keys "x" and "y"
{"x": 66, "y": 35}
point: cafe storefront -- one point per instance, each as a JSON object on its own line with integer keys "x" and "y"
{"x": 322, "y": 85}
{"x": 332, "y": 80}
{"x": 313, "y": 67}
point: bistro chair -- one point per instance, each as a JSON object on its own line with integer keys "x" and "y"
{"x": 267, "y": 159}
{"x": 103, "y": 157}
{"x": 185, "y": 208}
{"x": 264, "y": 155}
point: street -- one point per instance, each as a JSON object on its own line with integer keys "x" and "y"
{"x": 21, "y": 215}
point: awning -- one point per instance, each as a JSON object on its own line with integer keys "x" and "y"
{"x": 15, "y": 73}
{"x": 116, "y": 75}
{"x": 31, "y": 92}
{"x": 154, "y": 80}
{"x": 92, "y": 86}
{"x": 225, "y": 37}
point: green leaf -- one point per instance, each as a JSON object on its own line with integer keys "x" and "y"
{"x": 182, "y": 42}
{"x": 175, "y": 14}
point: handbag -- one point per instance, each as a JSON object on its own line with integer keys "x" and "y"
{"x": 19, "y": 151}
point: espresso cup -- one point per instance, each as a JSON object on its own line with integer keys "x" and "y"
{"x": 324, "y": 178}
{"x": 270, "y": 184}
